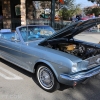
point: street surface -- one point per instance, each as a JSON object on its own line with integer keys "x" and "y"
{"x": 93, "y": 37}
{"x": 18, "y": 84}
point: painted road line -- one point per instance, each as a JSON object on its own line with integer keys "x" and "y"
{"x": 11, "y": 77}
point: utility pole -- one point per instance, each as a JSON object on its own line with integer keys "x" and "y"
{"x": 53, "y": 13}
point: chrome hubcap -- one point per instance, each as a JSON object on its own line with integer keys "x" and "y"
{"x": 45, "y": 77}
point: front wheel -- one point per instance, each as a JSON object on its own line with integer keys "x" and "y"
{"x": 46, "y": 78}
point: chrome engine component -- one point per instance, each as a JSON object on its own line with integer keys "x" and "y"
{"x": 78, "y": 49}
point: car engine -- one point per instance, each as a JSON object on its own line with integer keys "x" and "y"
{"x": 78, "y": 49}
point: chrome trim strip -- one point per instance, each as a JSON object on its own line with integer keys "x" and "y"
{"x": 18, "y": 51}
{"x": 28, "y": 54}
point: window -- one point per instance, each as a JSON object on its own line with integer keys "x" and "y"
{"x": 17, "y": 10}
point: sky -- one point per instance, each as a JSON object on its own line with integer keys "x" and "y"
{"x": 84, "y": 3}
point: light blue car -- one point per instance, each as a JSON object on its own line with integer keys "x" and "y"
{"x": 55, "y": 57}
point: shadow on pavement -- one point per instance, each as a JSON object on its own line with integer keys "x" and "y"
{"x": 17, "y": 68}
{"x": 26, "y": 73}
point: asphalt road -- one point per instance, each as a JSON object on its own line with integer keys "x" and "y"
{"x": 18, "y": 84}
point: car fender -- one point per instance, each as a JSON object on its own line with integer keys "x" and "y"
{"x": 48, "y": 64}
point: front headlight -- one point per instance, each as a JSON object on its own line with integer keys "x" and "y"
{"x": 74, "y": 67}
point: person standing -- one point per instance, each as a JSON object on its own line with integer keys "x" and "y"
{"x": 93, "y": 15}
{"x": 79, "y": 17}
{"x": 74, "y": 19}
{"x": 98, "y": 26}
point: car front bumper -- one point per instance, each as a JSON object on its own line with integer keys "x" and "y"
{"x": 74, "y": 79}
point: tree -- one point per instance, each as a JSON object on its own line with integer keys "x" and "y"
{"x": 69, "y": 9}
{"x": 95, "y": 1}
{"x": 89, "y": 11}
{"x": 96, "y": 11}
{"x": 66, "y": 10}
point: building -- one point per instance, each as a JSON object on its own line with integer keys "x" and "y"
{"x": 17, "y": 12}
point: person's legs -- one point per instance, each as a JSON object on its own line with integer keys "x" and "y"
{"x": 98, "y": 27}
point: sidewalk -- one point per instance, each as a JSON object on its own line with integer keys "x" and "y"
{"x": 93, "y": 37}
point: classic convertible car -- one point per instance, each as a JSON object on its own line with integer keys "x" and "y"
{"x": 55, "y": 57}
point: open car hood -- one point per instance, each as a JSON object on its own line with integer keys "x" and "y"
{"x": 73, "y": 29}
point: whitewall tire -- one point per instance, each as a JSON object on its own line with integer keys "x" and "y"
{"x": 46, "y": 78}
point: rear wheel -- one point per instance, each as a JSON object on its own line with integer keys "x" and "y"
{"x": 46, "y": 78}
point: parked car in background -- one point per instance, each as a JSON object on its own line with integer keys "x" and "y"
{"x": 55, "y": 57}
{"x": 85, "y": 18}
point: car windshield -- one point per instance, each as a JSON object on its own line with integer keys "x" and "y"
{"x": 31, "y": 33}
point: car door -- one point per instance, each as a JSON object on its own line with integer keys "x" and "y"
{"x": 10, "y": 49}
{"x": 30, "y": 35}
{"x": 26, "y": 52}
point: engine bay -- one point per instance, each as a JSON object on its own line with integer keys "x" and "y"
{"x": 79, "y": 49}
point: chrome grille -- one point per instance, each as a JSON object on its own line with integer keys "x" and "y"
{"x": 93, "y": 61}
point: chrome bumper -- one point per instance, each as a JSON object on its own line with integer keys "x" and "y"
{"x": 79, "y": 77}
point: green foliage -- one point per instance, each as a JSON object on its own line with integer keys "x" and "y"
{"x": 96, "y": 11}
{"x": 96, "y": 1}
{"x": 70, "y": 11}
{"x": 92, "y": 1}
{"x": 66, "y": 12}
{"x": 89, "y": 11}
